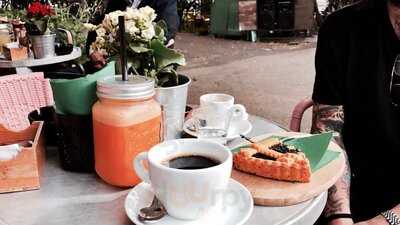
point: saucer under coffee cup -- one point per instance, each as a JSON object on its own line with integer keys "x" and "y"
{"x": 188, "y": 176}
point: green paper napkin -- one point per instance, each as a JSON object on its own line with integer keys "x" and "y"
{"x": 77, "y": 96}
{"x": 315, "y": 147}
{"x": 328, "y": 157}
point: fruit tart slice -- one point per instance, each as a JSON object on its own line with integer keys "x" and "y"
{"x": 274, "y": 160}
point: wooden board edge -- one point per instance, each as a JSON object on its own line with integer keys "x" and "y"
{"x": 305, "y": 198}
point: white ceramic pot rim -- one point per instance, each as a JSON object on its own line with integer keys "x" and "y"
{"x": 228, "y": 158}
{"x": 178, "y": 86}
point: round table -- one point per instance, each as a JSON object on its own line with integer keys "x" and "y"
{"x": 67, "y": 198}
{"x": 22, "y": 66}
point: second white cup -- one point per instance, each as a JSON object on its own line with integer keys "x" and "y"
{"x": 223, "y": 104}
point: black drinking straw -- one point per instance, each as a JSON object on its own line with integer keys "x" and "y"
{"x": 122, "y": 50}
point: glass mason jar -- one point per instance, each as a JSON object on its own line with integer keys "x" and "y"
{"x": 126, "y": 122}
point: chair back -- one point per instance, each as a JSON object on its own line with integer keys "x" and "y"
{"x": 298, "y": 112}
{"x": 21, "y": 94}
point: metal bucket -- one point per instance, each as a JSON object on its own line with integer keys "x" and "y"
{"x": 43, "y": 45}
{"x": 173, "y": 100}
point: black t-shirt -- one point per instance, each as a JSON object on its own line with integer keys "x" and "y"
{"x": 356, "y": 50}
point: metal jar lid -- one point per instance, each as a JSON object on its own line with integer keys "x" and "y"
{"x": 136, "y": 87}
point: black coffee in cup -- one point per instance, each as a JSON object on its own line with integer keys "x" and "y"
{"x": 191, "y": 162}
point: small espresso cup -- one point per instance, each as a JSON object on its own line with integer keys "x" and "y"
{"x": 187, "y": 193}
{"x": 215, "y": 115}
{"x": 218, "y": 103}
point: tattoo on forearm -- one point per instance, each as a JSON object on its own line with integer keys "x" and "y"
{"x": 330, "y": 118}
{"x": 339, "y": 194}
{"x": 327, "y": 118}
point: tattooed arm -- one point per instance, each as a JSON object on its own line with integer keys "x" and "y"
{"x": 330, "y": 118}
{"x": 379, "y": 220}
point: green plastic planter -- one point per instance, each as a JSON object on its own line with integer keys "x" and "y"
{"x": 77, "y": 96}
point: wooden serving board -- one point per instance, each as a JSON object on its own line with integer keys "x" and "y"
{"x": 270, "y": 192}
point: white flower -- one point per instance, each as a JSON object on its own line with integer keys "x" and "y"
{"x": 97, "y": 47}
{"x": 100, "y": 41}
{"x": 107, "y": 24}
{"x": 131, "y": 28}
{"x": 89, "y": 26}
{"x": 132, "y": 13}
{"x": 114, "y": 17}
{"x": 148, "y": 34}
{"x": 149, "y": 13}
{"x": 101, "y": 32}
{"x": 143, "y": 23}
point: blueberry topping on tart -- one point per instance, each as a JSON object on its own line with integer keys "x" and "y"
{"x": 259, "y": 155}
{"x": 282, "y": 148}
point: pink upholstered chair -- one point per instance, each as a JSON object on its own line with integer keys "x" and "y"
{"x": 20, "y": 95}
{"x": 298, "y": 112}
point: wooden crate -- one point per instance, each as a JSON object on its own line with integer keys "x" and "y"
{"x": 24, "y": 171}
{"x": 15, "y": 53}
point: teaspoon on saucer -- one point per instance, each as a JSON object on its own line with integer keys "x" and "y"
{"x": 152, "y": 213}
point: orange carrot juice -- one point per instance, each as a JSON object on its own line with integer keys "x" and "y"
{"x": 123, "y": 128}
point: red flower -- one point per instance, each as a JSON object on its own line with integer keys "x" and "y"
{"x": 37, "y": 9}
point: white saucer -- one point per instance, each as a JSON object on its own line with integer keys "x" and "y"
{"x": 236, "y": 210}
{"x": 235, "y": 129}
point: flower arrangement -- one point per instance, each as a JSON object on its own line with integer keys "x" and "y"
{"x": 146, "y": 52}
{"x": 38, "y": 17}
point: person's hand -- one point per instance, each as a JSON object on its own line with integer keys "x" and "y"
{"x": 98, "y": 60}
{"x": 342, "y": 221}
{"x": 170, "y": 43}
{"x": 379, "y": 220}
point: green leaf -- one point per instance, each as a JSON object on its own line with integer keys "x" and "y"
{"x": 164, "y": 56}
{"x": 139, "y": 49}
{"x": 41, "y": 25}
{"x": 162, "y": 79}
{"x": 163, "y": 25}
{"x": 313, "y": 146}
{"x": 159, "y": 32}
{"x": 135, "y": 62}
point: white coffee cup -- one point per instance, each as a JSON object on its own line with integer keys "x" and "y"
{"x": 223, "y": 103}
{"x": 186, "y": 194}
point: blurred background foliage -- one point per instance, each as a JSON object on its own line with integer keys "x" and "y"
{"x": 70, "y": 15}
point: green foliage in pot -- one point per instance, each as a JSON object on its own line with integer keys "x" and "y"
{"x": 11, "y": 14}
{"x": 147, "y": 54}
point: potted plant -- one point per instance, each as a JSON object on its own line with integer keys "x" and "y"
{"x": 72, "y": 18}
{"x": 148, "y": 56}
{"x": 40, "y": 26}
